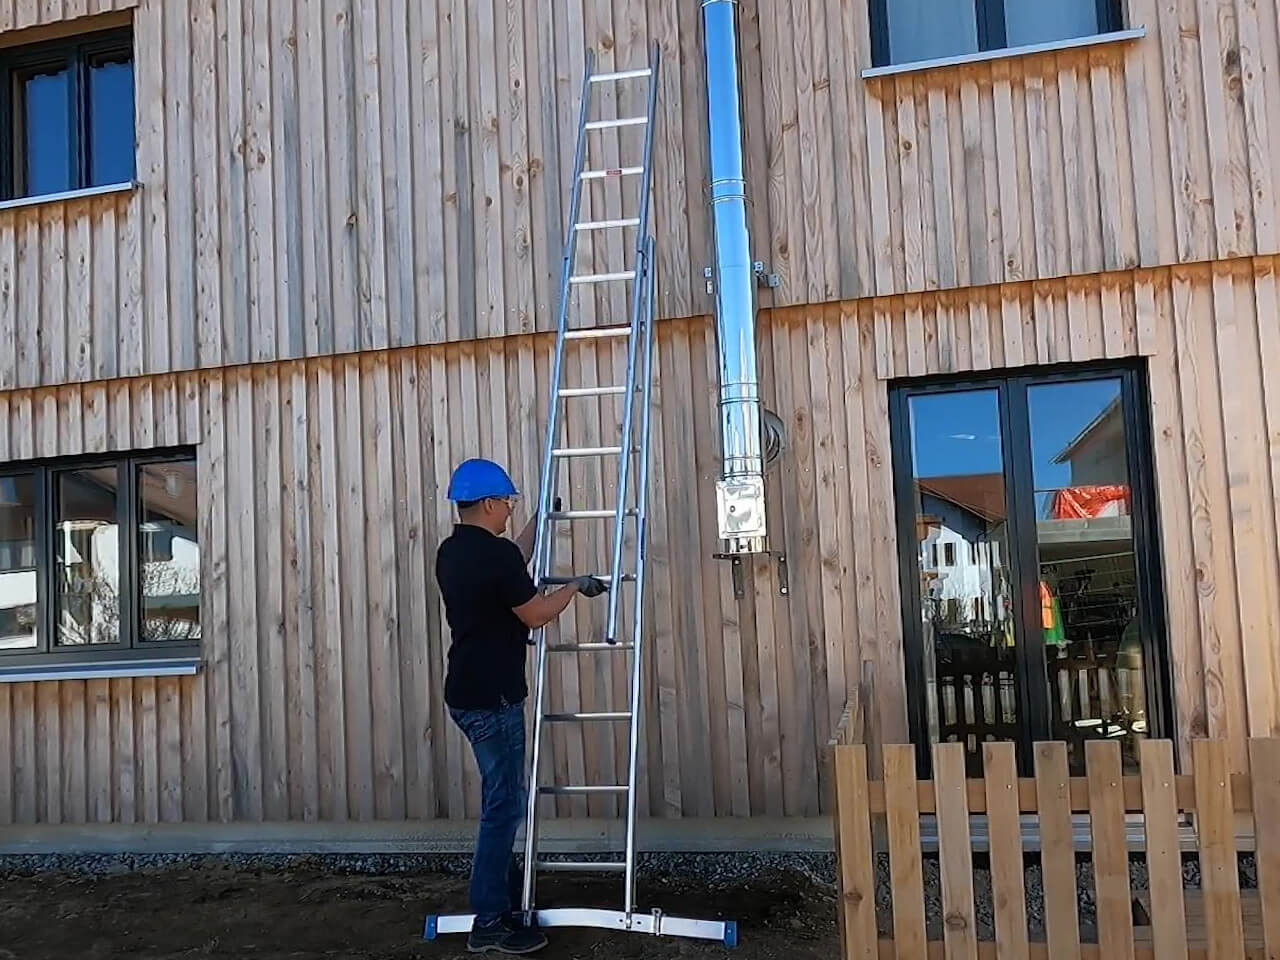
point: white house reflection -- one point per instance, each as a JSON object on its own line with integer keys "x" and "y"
{"x": 86, "y": 545}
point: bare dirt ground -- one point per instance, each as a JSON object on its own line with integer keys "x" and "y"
{"x": 300, "y": 914}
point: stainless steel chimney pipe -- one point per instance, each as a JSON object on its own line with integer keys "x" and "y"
{"x": 740, "y": 505}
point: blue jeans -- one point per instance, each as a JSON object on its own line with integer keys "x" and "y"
{"x": 497, "y": 740}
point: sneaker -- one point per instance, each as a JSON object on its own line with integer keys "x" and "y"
{"x": 504, "y": 936}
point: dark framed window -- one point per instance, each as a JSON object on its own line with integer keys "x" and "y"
{"x": 99, "y": 558}
{"x": 905, "y": 31}
{"x": 68, "y": 114}
{"x": 1050, "y": 626}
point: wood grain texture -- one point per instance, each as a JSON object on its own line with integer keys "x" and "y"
{"x": 1110, "y": 862}
{"x": 1164, "y": 860}
{"x": 392, "y": 174}
{"x": 955, "y": 867}
{"x": 1264, "y": 763}
{"x": 320, "y": 457}
{"x": 1007, "y": 884}
{"x": 1061, "y": 901}
{"x": 1220, "y": 880}
{"x": 321, "y": 507}
{"x": 1216, "y": 920}
{"x": 1216, "y": 463}
{"x": 854, "y": 848}
{"x": 903, "y": 827}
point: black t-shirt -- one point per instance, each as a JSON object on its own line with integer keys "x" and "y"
{"x": 482, "y": 577}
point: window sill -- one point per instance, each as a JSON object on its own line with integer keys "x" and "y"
{"x": 104, "y": 670}
{"x": 19, "y": 202}
{"x": 983, "y": 56}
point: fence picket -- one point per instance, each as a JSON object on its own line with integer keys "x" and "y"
{"x": 1264, "y": 764}
{"x": 1219, "y": 873}
{"x": 1110, "y": 855}
{"x": 1057, "y": 854}
{"x": 1164, "y": 860}
{"x": 955, "y": 856}
{"x": 903, "y": 819}
{"x": 1217, "y": 922}
{"x": 853, "y": 842}
{"x": 1007, "y": 885}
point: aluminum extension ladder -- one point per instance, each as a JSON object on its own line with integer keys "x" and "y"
{"x": 631, "y": 454}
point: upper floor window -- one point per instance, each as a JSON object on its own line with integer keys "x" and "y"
{"x": 68, "y": 114}
{"x": 99, "y": 559}
{"x": 904, "y": 31}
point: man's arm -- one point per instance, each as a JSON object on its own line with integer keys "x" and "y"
{"x": 525, "y": 538}
{"x": 544, "y": 608}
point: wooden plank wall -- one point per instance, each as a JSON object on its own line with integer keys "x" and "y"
{"x": 27, "y": 14}
{"x": 325, "y": 176}
{"x": 1210, "y": 330}
{"x": 321, "y": 485}
{"x": 321, "y": 510}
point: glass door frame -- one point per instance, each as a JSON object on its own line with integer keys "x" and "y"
{"x": 1012, "y": 387}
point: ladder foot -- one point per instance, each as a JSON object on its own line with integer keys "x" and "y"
{"x": 432, "y": 929}
{"x": 731, "y": 934}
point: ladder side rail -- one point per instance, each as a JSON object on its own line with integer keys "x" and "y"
{"x": 542, "y": 539}
{"x": 624, "y": 467}
{"x": 637, "y": 625}
{"x": 639, "y": 294}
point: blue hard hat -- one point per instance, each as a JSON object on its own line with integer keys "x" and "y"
{"x": 479, "y": 480}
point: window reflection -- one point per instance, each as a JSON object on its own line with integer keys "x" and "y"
{"x": 87, "y": 551}
{"x": 1035, "y": 21}
{"x": 169, "y": 551}
{"x": 1088, "y": 568}
{"x": 966, "y": 598}
{"x": 928, "y": 29}
{"x": 44, "y": 104}
{"x": 18, "y": 562}
{"x": 111, "y": 119}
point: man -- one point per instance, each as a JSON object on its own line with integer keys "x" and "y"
{"x": 491, "y": 605}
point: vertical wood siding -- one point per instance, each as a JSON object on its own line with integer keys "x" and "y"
{"x": 326, "y": 176}
{"x": 1212, "y": 336}
{"x": 321, "y": 508}
{"x": 321, "y": 487}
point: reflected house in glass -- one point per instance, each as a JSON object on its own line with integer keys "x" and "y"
{"x": 1089, "y": 574}
{"x": 17, "y": 565}
{"x": 968, "y": 663}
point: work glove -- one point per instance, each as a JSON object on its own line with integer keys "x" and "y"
{"x": 590, "y": 586}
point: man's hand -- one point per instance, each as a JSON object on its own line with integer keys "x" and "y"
{"x": 590, "y": 586}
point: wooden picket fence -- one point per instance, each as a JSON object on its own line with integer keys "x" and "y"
{"x": 1218, "y": 921}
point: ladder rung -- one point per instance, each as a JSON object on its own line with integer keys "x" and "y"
{"x": 617, "y": 122}
{"x": 589, "y": 514}
{"x": 598, "y": 333}
{"x": 574, "y": 717}
{"x": 607, "y": 224}
{"x": 586, "y": 452}
{"x": 592, "y": 391}
{"x": 561, "y": 581}
{"x": 581, "y": 866}
{"x": 587, "y": 647}
{"x": 621, "y": 75}
{"x": 603, "y": 277}
{"x": 582, "y": 789}
{"x": 612, "y": 172}
{"x": 584, "y": 866}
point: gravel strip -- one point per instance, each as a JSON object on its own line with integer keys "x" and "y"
{"x": 680, "y": 870}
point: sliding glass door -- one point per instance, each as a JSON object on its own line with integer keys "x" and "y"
{"x": 1029, "y": 580}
